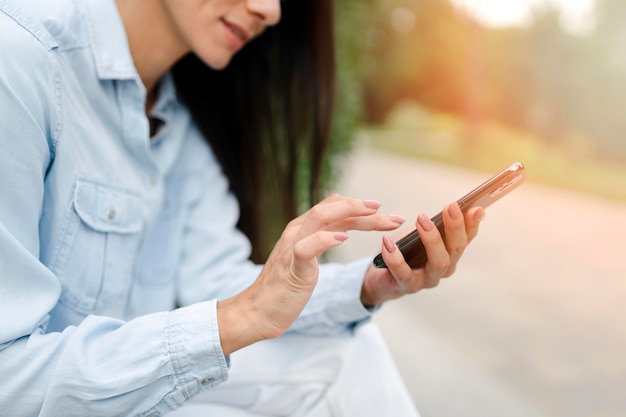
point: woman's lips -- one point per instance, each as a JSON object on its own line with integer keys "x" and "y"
{"x": 238, "y": 31}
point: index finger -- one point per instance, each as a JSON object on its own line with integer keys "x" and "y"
{"x": 325, "y": 214}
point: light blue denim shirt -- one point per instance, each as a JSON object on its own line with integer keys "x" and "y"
{"x": 103, "y": 231}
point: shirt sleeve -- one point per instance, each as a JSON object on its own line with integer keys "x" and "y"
{"x": 103, "y": 366}
{"x": 335, "y": 305}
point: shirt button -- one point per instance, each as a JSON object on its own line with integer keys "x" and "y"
{"x": 153, "y": 180}
{"x": 207, "y": 381}
{"x": 111, "y": 214}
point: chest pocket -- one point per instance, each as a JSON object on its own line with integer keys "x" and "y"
{"x": 100, "y": 239}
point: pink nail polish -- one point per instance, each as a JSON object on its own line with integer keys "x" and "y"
{"x": 389, "y": 244}
{"x": 425, "y": 222}
{"x": 454, "y": 211}
{"x": 340, "y": 236}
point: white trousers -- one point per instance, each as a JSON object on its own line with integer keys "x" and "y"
{"x": 306, "y": 376}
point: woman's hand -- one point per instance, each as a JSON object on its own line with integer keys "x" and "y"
{"x": 443, "y": 255}
{"x": 268, "y": 307}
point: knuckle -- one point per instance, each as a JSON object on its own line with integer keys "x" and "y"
{"x": 316, "y": 214}
{"x": 414, "y": 286}
{"x": 286, "y": 235}
{"x": 456, "y": 251}
{"x": 331, "y": 198}
{"x": 432, "y": 283}
{"x": 450, "y": 271}
{"x": 291, "y": 225}
{"x": 472, "y": 234}
{"x": 442, "y": 264}
{"x": 357, "y": 206}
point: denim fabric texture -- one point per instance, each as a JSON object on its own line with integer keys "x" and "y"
{"x": 104, "y": 231}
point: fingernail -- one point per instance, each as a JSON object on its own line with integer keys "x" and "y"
{"x": 396, "y": 219}
{"x": 389, "y": 244}
{"x": 454, "y": 211}
{"x": 425, "y": 222}
{"x": 373, "y": 204}
{"x": 479, "y": 215}
{"x": 340, "y": 236}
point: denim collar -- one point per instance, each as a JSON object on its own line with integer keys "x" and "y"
{"x": 109, "y": 42}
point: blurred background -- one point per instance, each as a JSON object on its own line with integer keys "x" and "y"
{"x": 435, "y": 96}
{"x": 474, "y": 82}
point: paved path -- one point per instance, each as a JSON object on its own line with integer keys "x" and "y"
{"x": 534, "y": 321}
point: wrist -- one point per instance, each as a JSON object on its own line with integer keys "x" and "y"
{"x": 368, "y": 298}
{"x": 236, "y": 322}
{"x": 250, "y": 317}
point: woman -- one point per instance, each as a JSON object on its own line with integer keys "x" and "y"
{"x": 126, "y": 287}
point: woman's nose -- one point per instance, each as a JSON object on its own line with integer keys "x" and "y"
{"x": 267, "y": 10}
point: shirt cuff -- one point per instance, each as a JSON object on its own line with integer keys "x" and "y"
{"x": 346, "y": 306}
{"x": 195, "y": 350}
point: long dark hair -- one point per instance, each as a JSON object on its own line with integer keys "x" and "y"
{"x": 267, "y": 117}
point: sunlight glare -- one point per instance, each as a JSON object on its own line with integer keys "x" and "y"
{"x": 577, "y": 15}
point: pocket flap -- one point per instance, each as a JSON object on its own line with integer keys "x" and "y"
{"x": 108, "y": 208}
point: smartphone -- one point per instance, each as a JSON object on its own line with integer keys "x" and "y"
{"x": 484, "y": 195}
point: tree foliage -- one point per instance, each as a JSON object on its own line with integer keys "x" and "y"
{"x": 538, "y": 78}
